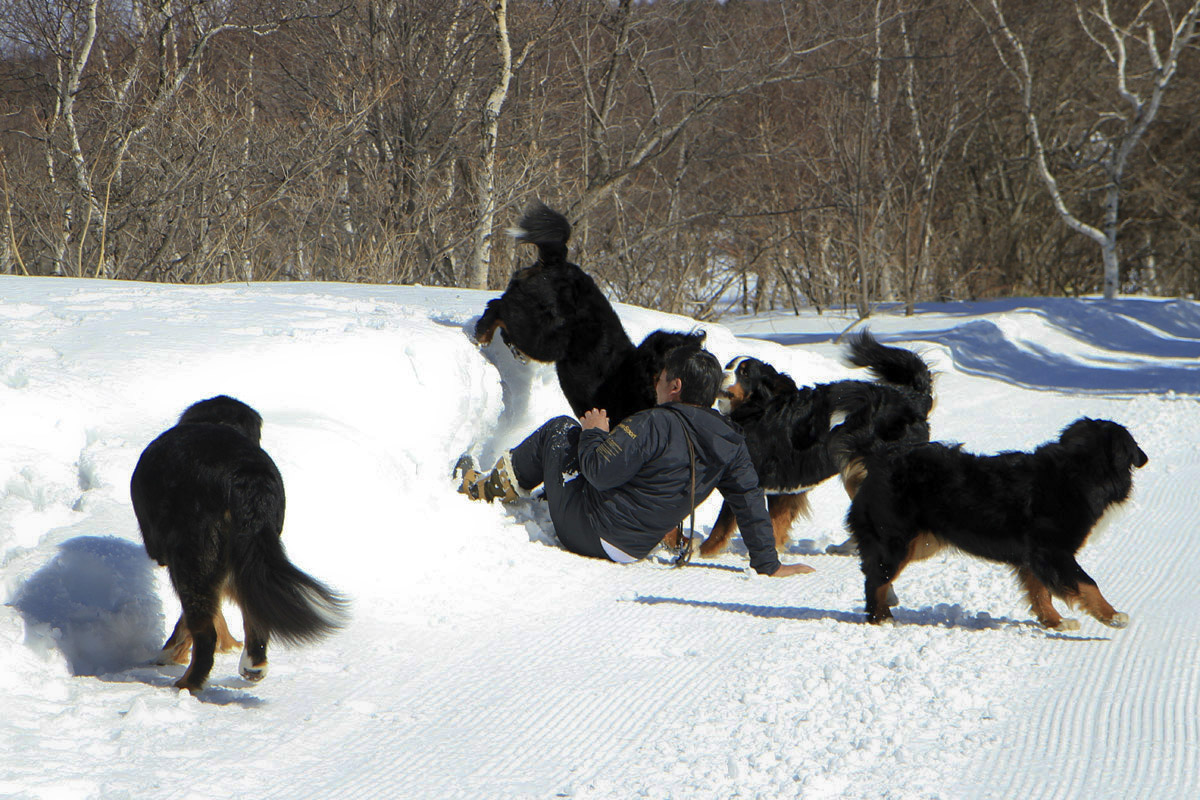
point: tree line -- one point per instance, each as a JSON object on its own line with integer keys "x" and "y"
{"x": 746, "y": 154}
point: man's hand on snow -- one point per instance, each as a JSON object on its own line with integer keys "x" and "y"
{"x": 791, "y": 569}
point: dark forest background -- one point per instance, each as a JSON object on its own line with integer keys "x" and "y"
{"x": 768, "y": 154}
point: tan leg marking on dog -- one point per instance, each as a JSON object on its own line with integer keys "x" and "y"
{"x": 486, "y": 337}
{"x": 882, "y": 595}
{"x": 784, "y": 509}
{"x": 226, "y": 643}
{"x": 671, "y": 540}
{"x": 1041, "y": 603}
{"x": 718, "y": 537}
{"x": 177, "y": 646}
{"x": 924, "y": 546}
{"x": 1090, "y": 600}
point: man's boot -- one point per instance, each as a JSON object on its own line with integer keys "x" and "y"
{"x": 497, "y": 484}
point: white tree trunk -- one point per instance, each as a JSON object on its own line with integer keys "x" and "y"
{"x": 481, "y": 256}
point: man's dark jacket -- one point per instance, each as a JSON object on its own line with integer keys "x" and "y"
{"x": 639, "y": 481}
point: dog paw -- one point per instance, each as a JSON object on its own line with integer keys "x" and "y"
{"x": 251, "y": 671}
{"x": 846, "y": 548}
{"x": 252, "y": 674}
{"x": 1118, "y": 620}
{"x": 1065, "y": 625}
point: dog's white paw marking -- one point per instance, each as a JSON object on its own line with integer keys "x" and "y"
{"x": 249, "y": 671}
{"x": 1067, "y": 625}
{"x": 1119, "y": 620}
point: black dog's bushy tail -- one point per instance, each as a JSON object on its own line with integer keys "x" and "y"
{"x": 546, "y": 228}
{"x": 276, "y": 597}
{"x": 893, "y": 365}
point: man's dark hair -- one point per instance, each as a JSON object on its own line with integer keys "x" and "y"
{"x": 699, "y": 371}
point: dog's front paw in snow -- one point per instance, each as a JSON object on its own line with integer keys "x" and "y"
{"x": 1119, "y": 619}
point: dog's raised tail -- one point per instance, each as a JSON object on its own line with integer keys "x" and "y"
{"x": 894, "y": 365}
{"x": 276, "y": 597}
{"x": 546, "y": 228}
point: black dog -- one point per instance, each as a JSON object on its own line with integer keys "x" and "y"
{"x": 1032, "y": 511}
{"x": 552, "y": 311}
{"x": 788, "y": 429}
{"x": 209, "y": 502}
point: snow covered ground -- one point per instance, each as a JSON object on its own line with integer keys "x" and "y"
{"x": 483, "y": 661}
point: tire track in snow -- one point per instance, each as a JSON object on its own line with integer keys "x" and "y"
{"x": 542, "y": 715}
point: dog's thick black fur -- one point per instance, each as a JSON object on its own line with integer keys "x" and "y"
{"x": 210, "y": 502}
{"x": 552, "y": 311}
{"x": 788, "y": 428}
{"x": 1032, "y": 511}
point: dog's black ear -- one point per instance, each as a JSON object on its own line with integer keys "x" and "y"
{"x": 779, "y": 384}
{"x": 771, "y": 382}
{"x": 1125, "y": 450}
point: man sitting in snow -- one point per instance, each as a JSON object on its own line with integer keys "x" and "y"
{"x": 635, "y": 484}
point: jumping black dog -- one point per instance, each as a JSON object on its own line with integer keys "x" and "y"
{"x": 552, "y": 311}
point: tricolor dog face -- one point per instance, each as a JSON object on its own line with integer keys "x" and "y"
{"x": 788, "y": 428}
{"x": 745, "y": 376}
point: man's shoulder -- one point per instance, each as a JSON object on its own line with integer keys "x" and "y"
{"x": 637, "y": 423}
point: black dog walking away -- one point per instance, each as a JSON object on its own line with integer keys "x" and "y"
{"x": 210, "y": 504}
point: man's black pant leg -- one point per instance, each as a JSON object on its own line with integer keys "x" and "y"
{"x": 543, "y": 457}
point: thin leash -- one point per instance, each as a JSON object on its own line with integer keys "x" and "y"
{"x": 683, "y": 544}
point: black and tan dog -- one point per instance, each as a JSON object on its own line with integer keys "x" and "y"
{"x": 552, "y": 311}
{"x": 788, "y": 428}
{"x": 1033, "y": 511}
{"x": 210, "y": 505}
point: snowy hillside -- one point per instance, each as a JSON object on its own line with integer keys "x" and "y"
{"x": 482, "y": 660}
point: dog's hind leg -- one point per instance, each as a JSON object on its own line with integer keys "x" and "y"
{"x": 1041, "y": 604}
{"x": 722, "y": 529}
{"x": 253, "y": 663}
{"x": 199, "y": 613}
{"x": 175, "y": 650}
{"x": 784, "y": 509}
{"x": 671, "y": 540}
{"x": 882, "y": 568}
{"x": 226, "y": 643}
{"x": 879, "y": 570}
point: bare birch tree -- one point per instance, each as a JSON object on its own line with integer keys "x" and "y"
{"x": 1139, "y": 86}
{"x": 481, "y": 252}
